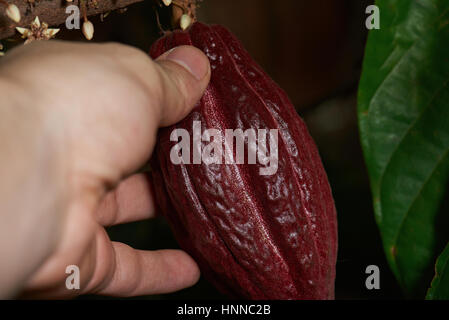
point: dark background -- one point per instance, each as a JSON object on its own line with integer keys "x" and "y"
{"x": 314, "y": 50}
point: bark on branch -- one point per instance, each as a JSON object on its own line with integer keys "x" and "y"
{"x": 52, "y": 12}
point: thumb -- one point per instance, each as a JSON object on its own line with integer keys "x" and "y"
{"x": 185, "y": 74}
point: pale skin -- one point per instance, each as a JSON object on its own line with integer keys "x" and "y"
{"x": 76, "y": 123}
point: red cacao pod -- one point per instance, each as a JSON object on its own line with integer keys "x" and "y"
{"x": 254, "y": 236}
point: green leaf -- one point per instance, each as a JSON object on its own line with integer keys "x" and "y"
{"x": 440, "y": 284}
{"x": 404, "y": 124}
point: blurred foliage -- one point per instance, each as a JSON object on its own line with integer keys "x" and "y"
{"x": 404, "y": 123}
{"x": 440, "y": 284}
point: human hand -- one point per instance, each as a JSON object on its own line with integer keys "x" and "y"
{"x": 92, "y": 113}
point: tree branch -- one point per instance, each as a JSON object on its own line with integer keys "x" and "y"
{"x": 52, "y": 12}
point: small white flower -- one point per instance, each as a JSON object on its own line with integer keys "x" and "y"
{"x": 37, "y": 31}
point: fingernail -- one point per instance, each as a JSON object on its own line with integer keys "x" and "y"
{"x": 192, "y": 59}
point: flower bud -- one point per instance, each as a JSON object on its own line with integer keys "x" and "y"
{"x": 13, "y": 13}
{"x": 185, "y": 21}
{"x": 88, "y": 30}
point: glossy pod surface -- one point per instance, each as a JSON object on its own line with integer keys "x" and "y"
{"x": 254, "y": 236}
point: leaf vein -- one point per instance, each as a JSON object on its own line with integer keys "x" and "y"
{"x": 410, "y": 127}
